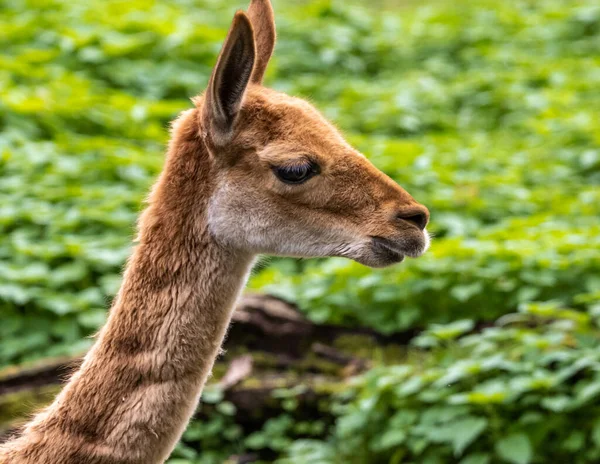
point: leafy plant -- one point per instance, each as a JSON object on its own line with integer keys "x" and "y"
{"x": 521, "y": 392}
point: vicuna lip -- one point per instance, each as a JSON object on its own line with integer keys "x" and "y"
{"x": 388, "y": 246}
{"x": 411, "y": 247}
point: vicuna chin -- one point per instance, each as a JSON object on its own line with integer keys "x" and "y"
{"x": 248, "y": 171}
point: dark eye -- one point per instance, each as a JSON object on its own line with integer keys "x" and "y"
{"x": 296, "y": 174}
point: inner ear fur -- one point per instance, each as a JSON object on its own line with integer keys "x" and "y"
{"x": 262, "y": 17}
{"x": 230, "y": 78}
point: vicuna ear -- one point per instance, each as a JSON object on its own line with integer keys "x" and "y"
{"x": 229, "y": 80}
{"x": 262, "y": 17}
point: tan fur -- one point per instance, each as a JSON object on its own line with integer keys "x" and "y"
{"x": 216, "y": 205}
{"x": 261, "y": 16}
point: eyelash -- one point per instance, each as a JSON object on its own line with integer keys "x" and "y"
{"x": 296, "y": 174}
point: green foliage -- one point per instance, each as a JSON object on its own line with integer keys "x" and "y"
{"x": 509, "y": 394}
{"x": 217, "y": 435}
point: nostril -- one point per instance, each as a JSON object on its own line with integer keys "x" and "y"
{"x": 418, "y": 219}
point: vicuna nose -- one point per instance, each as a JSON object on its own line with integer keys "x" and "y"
{"x": 416, "y": 215}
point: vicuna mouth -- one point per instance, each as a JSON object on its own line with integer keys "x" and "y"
{"x": 387, "y": 250}
{"x": 412, "y": 247}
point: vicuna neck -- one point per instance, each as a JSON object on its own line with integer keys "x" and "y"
{"x": 138, "y": 386}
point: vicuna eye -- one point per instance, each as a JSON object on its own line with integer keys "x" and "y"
{"x": 296, "y": 174}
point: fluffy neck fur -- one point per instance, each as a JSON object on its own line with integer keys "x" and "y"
{"x": 138, "y": 386}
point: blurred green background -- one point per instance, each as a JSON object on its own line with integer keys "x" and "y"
{"x": 488, "y": 112}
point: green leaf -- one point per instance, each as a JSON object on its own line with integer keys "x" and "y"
{"x": 227, "y": 408}
{"x": 558, "y": 403}
{"x": 574, "y": 442}
{"x": 477, "y": 458}
{"x": 389, "y": 439}
{"x": 460, "y": 433}
{"x": 596, "y": 433}
{"x": 515, "y": 448}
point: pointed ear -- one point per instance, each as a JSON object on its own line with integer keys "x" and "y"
{"x": 262, "y": 17}
{"x": 227, "y": 85}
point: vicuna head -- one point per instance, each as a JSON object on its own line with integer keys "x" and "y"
{"x": 285, "y": 181}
